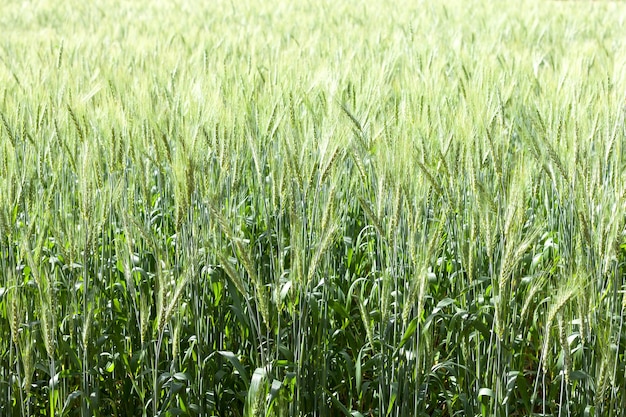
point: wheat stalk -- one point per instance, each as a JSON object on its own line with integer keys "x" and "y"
{"x": 14, "y": 312}
{"x": 557, "y": 305}
{"x": 567, "y": 355}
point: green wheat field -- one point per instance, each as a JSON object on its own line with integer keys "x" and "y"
{"x": 312, "y": 208}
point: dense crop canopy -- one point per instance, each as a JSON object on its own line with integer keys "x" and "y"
{"x": 308, "y": 208}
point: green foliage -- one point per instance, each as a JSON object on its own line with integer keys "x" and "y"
{"x": 312, "y": 208}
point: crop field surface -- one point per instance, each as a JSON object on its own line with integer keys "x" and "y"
{"x": 312, "y": 208}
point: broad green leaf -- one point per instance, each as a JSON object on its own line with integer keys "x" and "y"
{"x": 180, "y": 376}
{"x": 234, "y": 360}
{"x": 257, "y": 388}
{"x": 409, "y": 331}
{"x": 392, "y": 401}
{"x": 486, "y": 392}
{"x": 73, "y": 396}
